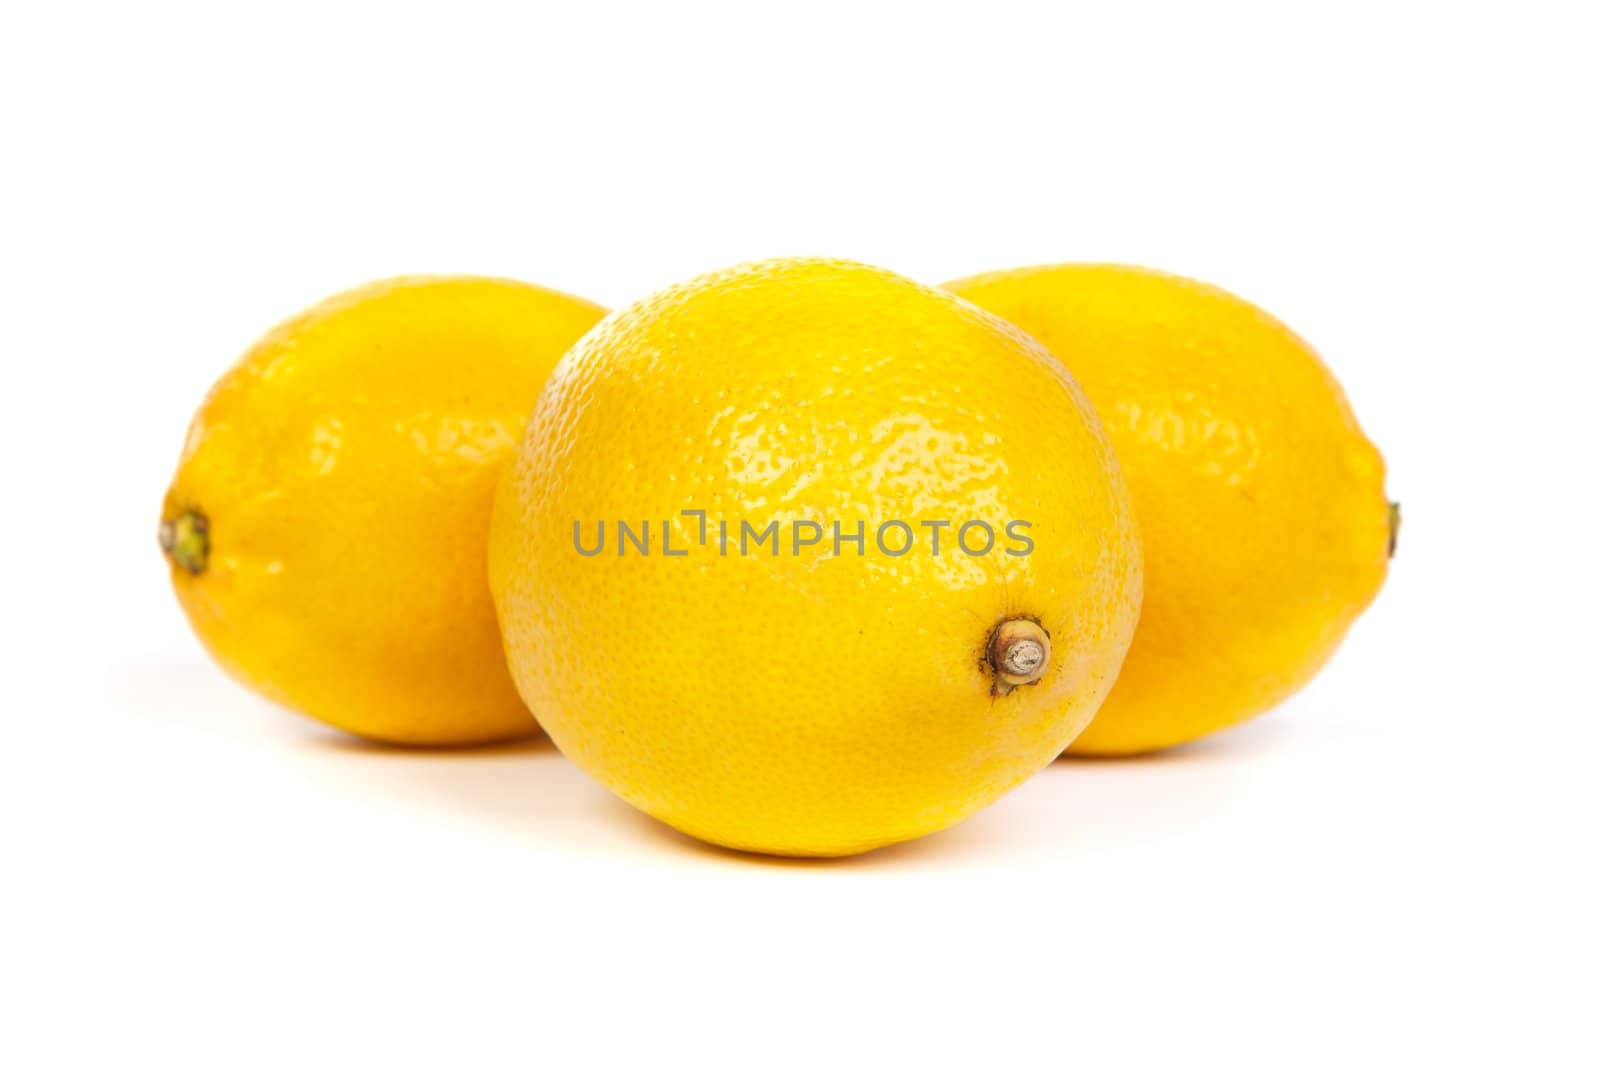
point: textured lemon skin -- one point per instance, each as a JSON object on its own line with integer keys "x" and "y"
{"x": 1261, "y": 502}
{"x": 346, "y": 466}
{"x": 812, "y": 704}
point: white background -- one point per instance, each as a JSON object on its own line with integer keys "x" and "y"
{"x": 1396, "y": 866}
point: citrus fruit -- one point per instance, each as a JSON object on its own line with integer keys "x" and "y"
{"x": 714, "y": 557}
{"x": 1261, "y": 502}
{"x": 327, "y": 525}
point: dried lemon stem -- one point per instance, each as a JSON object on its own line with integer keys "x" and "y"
{"x": 1019, "y": 652}
{"x": 187, "y": 541}
{"x": 1394, "y": 526}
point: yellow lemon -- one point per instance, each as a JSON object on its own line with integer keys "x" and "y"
{"x": 326, "y": 529}
{"x": 714, "y": 561}
{"x": 1266, "y": 528}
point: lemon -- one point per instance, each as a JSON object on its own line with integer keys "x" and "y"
{"x": 1261, "y": 502}
{"x": 327, "y": 526}
{"x": 713, "y": 558}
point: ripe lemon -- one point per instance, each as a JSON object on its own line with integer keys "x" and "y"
{"x": 712, "y": 558}
{"x": 327, "y": 526}
{"x": 1266, "y": 528}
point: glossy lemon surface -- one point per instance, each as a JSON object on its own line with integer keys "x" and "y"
{"x": 327, "y": 525}
{"x": 1266, "y": 527}
{"x": 811, "y": 698}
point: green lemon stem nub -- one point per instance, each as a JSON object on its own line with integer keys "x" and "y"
{"x": 187, "y": 541}
{"x": 1394, "y": 526}
{"x": 1019, "y": 652}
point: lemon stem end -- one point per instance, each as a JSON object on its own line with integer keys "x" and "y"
{"x": 1019, "y": 652}
{"x": 186, "y": 540}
